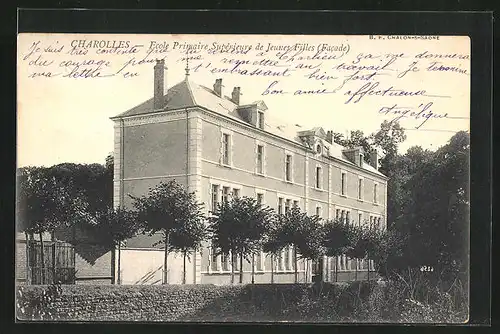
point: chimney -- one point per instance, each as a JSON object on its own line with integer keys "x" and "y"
{"x": 374, "y": 157}
{"x": 159, "y": 85}
{"x": 329, "y": 137}
{"x": 235, "y": 95}
{"x": 218, "y": 87}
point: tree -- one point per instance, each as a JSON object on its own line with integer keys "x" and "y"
{"x": 44, "y": 204}
{"x": 189, "y": 237}
{"x": 112, "y": 227}
{"x": 168, "y": 209}
{"x": 308, "y": 238}
{"x": 436, "y": 218}
{"x": 338, "y": 239}
{"x": 238, "y": 227}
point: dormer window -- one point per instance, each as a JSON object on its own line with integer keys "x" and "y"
{"x": 319, "y": 149}
{"x": 260, "y": 120}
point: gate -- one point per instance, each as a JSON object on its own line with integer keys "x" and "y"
{"x": 58, "y": 262}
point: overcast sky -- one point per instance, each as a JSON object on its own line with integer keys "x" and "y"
{"x": 63, "y": 119}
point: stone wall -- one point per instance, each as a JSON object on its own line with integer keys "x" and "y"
{"x": 177, "y": 302}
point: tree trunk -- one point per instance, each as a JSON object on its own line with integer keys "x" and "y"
{"x": 241, "y": 268}
{"x": 356, "y": 271}
{"x": 184, "y": 269}
{"x": 296, "y": 278}
{"x": 272, "y": 269}
{"x": 232, "y": 268}
{"x": 368, "y": 273}
{"x": 336, "y": 269}
{"x": 253, "y": 268}
{"x": 28, "y": 264}
{"x": 307, "y": 269}
{"x": 165, "y": 263}
{"x": 119, "y": 269}
{"x": 42, "y": 255}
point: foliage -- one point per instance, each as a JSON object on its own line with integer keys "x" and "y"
{"x": 239, "y": 226}
{"x": 43, "y": 201}
{"x": 113, "y": 226}
{"x": 339, "y": 237}
{"x": 435, "y": 214}
{"x": 169, "y": 209}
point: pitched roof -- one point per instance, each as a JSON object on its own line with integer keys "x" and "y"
{"x": 189, "y": 94}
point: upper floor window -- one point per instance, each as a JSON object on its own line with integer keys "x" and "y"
{"x": 260, "y": 159}
{"x": 343, "y": 183}
{"x": 375, "y": 193}
{"x": 288, "y": 167}
{"x": 360, "y": 189}
{"x": 225, "y": 148}
{"x": 318, "y": 177}
{"x": 260, "y": 120}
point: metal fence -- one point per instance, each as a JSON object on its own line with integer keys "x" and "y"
{"x": 58, "y": 262}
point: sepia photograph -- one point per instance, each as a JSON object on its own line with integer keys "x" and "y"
{"x": 243, "y": 178}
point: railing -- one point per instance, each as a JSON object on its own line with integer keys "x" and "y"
{"x": 58, "y": 263}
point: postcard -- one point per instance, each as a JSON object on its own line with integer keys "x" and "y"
{"x": 305, "y": 178}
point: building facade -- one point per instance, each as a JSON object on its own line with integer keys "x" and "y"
{"x": 216, "y": 147}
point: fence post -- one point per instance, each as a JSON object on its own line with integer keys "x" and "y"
{"x": 54, "y": 261}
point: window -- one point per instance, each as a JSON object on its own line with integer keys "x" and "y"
{"x": 225, "y": 148}
{"x": 215, "y": 192}
{"x": 295, "y": 204}
{"x": 287, "y": 205}
{"x": 280, "y": 205}
{"x": 260, "y": 198}
{"x": 287, "y": 259}
{"x": 342, "y": 184}
{"x": 337, "y": 214}
{"x": 361, "y": 160}
{"x": 224, "y": 258}
{"x": 236, "y": 193}
{"x": 279, "y": 261}
{"x": 375, "y": 195}
{"x": 225, "y": 194}
{"x": 342, "y": 216}
{"x": 260, "y": 159}
{"x": 259, "y": 261}
{"x": 347, "y": 217}
{"x": 371, "y": 221}
{"x": 213, "y": 258}
{"x": 288, "y": 167}
{"x": 360, "y": 189}
{"x": 260, "y": 120}
{"x": 319, "y": 149}
{"x": 360, "y": 219}
{"x": 318, "y": 177}
{"x": 318, "y": 211}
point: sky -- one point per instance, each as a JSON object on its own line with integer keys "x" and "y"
{"x": 64, "y": 116}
